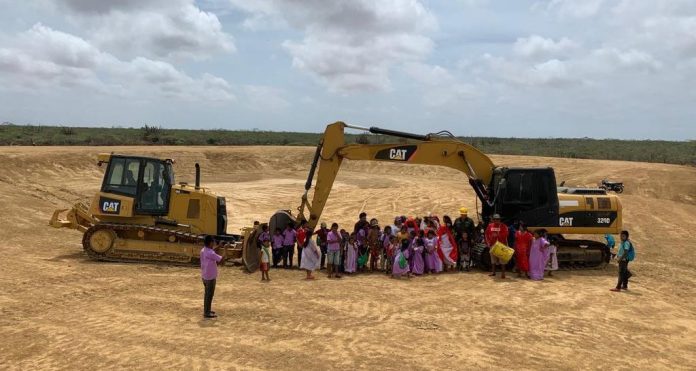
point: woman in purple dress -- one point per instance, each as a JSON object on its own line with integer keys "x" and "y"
{"x": 417, "y": 262}
{"x": 400, "y": 266}
{"x": 432, "y": 259}
{"x": 351, "y": 255}
{"x": 538, "y": 255}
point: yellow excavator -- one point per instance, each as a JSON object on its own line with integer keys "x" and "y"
{"x": 141, "y": 214}
{"x": 517, "y": 194}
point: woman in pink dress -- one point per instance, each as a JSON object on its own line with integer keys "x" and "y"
{"x": 351, "y": 255}
{"x": 432, "y": 259}
{"x": 400, "y": 266}
{"x": 538, "y": 255}
{"x": 417, "y": 262}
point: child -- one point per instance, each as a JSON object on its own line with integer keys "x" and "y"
{"x": 417, "y": 263}
{"x": 361, "y": 239}
{"x": 344, "y": 243}
{"x": 552, "y": 252}
{"x": 374, "y": 244}
{"x": 265, "y": 259}
{"x": 400, "y": 266}
{"x": 390, "y": 253}
{"x": 464, "y": 253}
{"x": 277, "y": 247}
{"x": 351, "y": 255}
{"x": 402, "y": 235}
{"x": 432, "y": 260}
{"x": 385, "y": 240}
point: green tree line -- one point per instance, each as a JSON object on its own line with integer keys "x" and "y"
{"x": 673, "y": 152}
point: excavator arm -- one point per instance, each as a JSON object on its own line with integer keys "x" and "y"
{"x": 431, "y": 149}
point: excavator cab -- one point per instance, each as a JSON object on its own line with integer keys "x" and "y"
{"x": 527, "y": 194}
{"x": 147, "y": 180}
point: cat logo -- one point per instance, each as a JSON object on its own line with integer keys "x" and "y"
{"x": 109, "y": 206}
{"x": 397, "y": 154}
{"x": 400, "y": 153}
{"x": 565, "y": 222}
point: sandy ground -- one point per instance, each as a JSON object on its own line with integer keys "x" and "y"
{"x": 61, "y": 310}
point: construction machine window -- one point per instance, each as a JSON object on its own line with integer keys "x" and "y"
{"x": 154, "y": 188}
{"x": 123, "y": 176}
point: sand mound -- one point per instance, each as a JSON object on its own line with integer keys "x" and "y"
{"x": 60, "y": 310}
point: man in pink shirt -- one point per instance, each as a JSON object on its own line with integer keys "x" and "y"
{"x": 209, "y": 261}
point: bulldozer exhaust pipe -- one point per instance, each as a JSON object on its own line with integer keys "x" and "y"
{"x": 198, "y": 176}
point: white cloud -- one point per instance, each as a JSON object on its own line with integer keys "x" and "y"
{"x": 265, "y": 98}
{"x": 352, "y": 45}
{"x": 612, "y": 59}
{"x": 572, "y": 8}
{"x": 552, "y": 73}
{"x": 175, "y": 29}
{"x": 440, "y": 87}
{"x": 537, "y": 46}
{"x": 43, "y": 58}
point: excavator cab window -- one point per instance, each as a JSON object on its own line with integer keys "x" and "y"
{"x": 529, "y": 195}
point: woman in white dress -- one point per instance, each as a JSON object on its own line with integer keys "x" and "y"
{"x": 310, "y": 256}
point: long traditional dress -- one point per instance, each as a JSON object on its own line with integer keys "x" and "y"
{"x": 417, "y": 263}
{"x": 537, "y": 258}
{"x": 552, "y": 258}
{"x": 351, "y": 257}
{"x": 522, "y": 241}
{"x": 311, "y": 257}
{"x": 396, "y": 268}
{"x": 432, "y": 260}
{"x": 449, "y": 254}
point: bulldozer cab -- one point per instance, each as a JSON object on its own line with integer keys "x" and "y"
{"x": 147, "y": 180}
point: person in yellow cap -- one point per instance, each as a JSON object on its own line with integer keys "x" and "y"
{"x": 463, "y": 234}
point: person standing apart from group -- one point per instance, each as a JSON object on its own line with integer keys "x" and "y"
{"x": 265, "y": 258}
{"x": 209, "y": 262}
{"x": 611, "y": 243}
{"x": 625, "y": 255}
{"x": 496, "y": 232}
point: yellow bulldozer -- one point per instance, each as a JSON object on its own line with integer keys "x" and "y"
{"x": 142, "y": 214}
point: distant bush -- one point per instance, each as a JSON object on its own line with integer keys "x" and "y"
{"x": 67, "y": 130}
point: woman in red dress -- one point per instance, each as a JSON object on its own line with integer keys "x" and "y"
{"x": 523, "y": 240}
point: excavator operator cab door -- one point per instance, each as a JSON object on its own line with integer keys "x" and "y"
{"x": 527, "y": 194}
{"x": 148, "y": 181}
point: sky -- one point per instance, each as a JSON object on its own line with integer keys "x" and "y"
{"x": 542, "y": 68}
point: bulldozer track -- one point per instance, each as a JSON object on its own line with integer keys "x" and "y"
{"x": 118, "y": 229}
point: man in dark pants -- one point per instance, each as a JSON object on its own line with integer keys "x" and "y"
{"x": 322, "y": 234}
{"x": 625, "y": 255}
{"x": 464, "y": 228}
{"x": 209, "y": 261}
{"x": 289, "y": 239}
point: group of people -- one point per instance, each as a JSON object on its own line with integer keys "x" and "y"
{"x": 428, "y": 245}
{"x": 410, "y": 246}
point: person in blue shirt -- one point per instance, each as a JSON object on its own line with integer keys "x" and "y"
{"x": 625, "y": 255}
{"x": 611, "y": 243}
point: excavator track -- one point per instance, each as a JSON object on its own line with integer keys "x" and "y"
{"x": 572, "y": 255}
{"x": 101, "y": 242}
